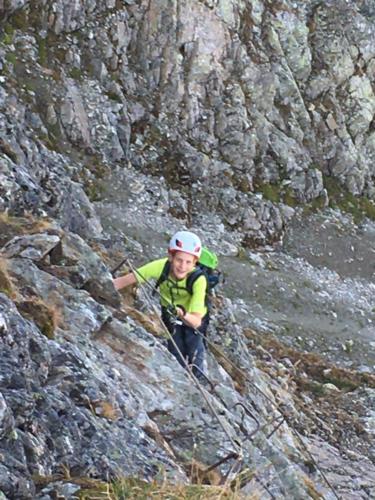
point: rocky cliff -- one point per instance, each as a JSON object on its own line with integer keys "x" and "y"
{"x": 120, "y": 121}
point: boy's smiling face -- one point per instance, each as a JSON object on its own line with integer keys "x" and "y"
{"x": 182, "y": 264}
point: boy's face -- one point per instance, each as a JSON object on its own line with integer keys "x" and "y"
{"x": 181, "y": 264}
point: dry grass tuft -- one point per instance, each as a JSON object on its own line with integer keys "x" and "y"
{"x": 202, "y": 474}
{"x": 107, "y": 410}
{"x": 40, "y": 226}
{"x": 90, "y": 488}
{"x": 141, "y": 490}
{"x": 313, "y": 493}
{"x": 138, "y": 489}
{"x": 151, "y": 322}
{"x": 46, "y": 317}
{"x": 6, "y": 285}
{"x": 313, "y": 365}
{"x": 128, "y": 296}
{"x": 19, "y": 226}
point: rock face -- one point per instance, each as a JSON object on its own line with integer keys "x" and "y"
{"x": 86, "y": 387}
{"x": 43, "y": 424}
{"x": 237, "y": 102}
{"x": 220, "y": 115}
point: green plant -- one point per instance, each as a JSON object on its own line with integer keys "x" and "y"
{"x": 114, "y": 97}
{"x": 8, "y": 34}
{"x": 75, "y": 73}
{"x": 42, "y": 50}
{"x": 137, "y": 489}
{"x": 19, "y": 20}
{"x": 277, "y": 193}
{"x": 94, "y": 191}
{"x": 289, "y": 197}
{"x": 11, "y": 57}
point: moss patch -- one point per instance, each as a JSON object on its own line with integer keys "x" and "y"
{"x": 277, "y": 193}
{"x": 271, "y": 192}
{"x": 7, "y": 35}
{"x": 94, "y": 190}
{"x": 358, "y": 206}
{"x": 289, "y": 197}
{"x": 19, "y": 20}
{"x": 114, "y": 97}
{"x": 315, "y": 205}
{"x": 76, "y": 74}
{"x": 91, "y": 178}
{"x": 11, "y": 57}
{"x": 42, "y": 50}
{"x": 339, "y": 198}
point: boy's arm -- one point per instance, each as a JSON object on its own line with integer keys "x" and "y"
{"x": 124, "y": 281}
{"x": 148, "y": 271}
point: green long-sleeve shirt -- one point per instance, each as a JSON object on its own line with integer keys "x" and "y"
{"x": 174, "y": 291}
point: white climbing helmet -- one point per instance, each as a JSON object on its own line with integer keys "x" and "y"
{"x": 185, "y": 241}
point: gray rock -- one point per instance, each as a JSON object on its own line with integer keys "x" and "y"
{"x": 183, "y": 115}
{"x": 53, "y": 417}
{"x": 35, "y": 247}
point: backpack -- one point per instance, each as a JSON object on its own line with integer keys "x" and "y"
{"x": 206, "y": 266}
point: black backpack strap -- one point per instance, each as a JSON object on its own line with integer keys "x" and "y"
{"x": 163, "y": 276}
{"x": 192, "y": 278}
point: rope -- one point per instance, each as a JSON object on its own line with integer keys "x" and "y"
{"x": 243, "y": 373}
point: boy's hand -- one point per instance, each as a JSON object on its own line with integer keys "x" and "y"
{"x": 172, "y": 310}
{"x": 180, "y": 311}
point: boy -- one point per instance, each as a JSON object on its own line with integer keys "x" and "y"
{"x": 190, "y": 308}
